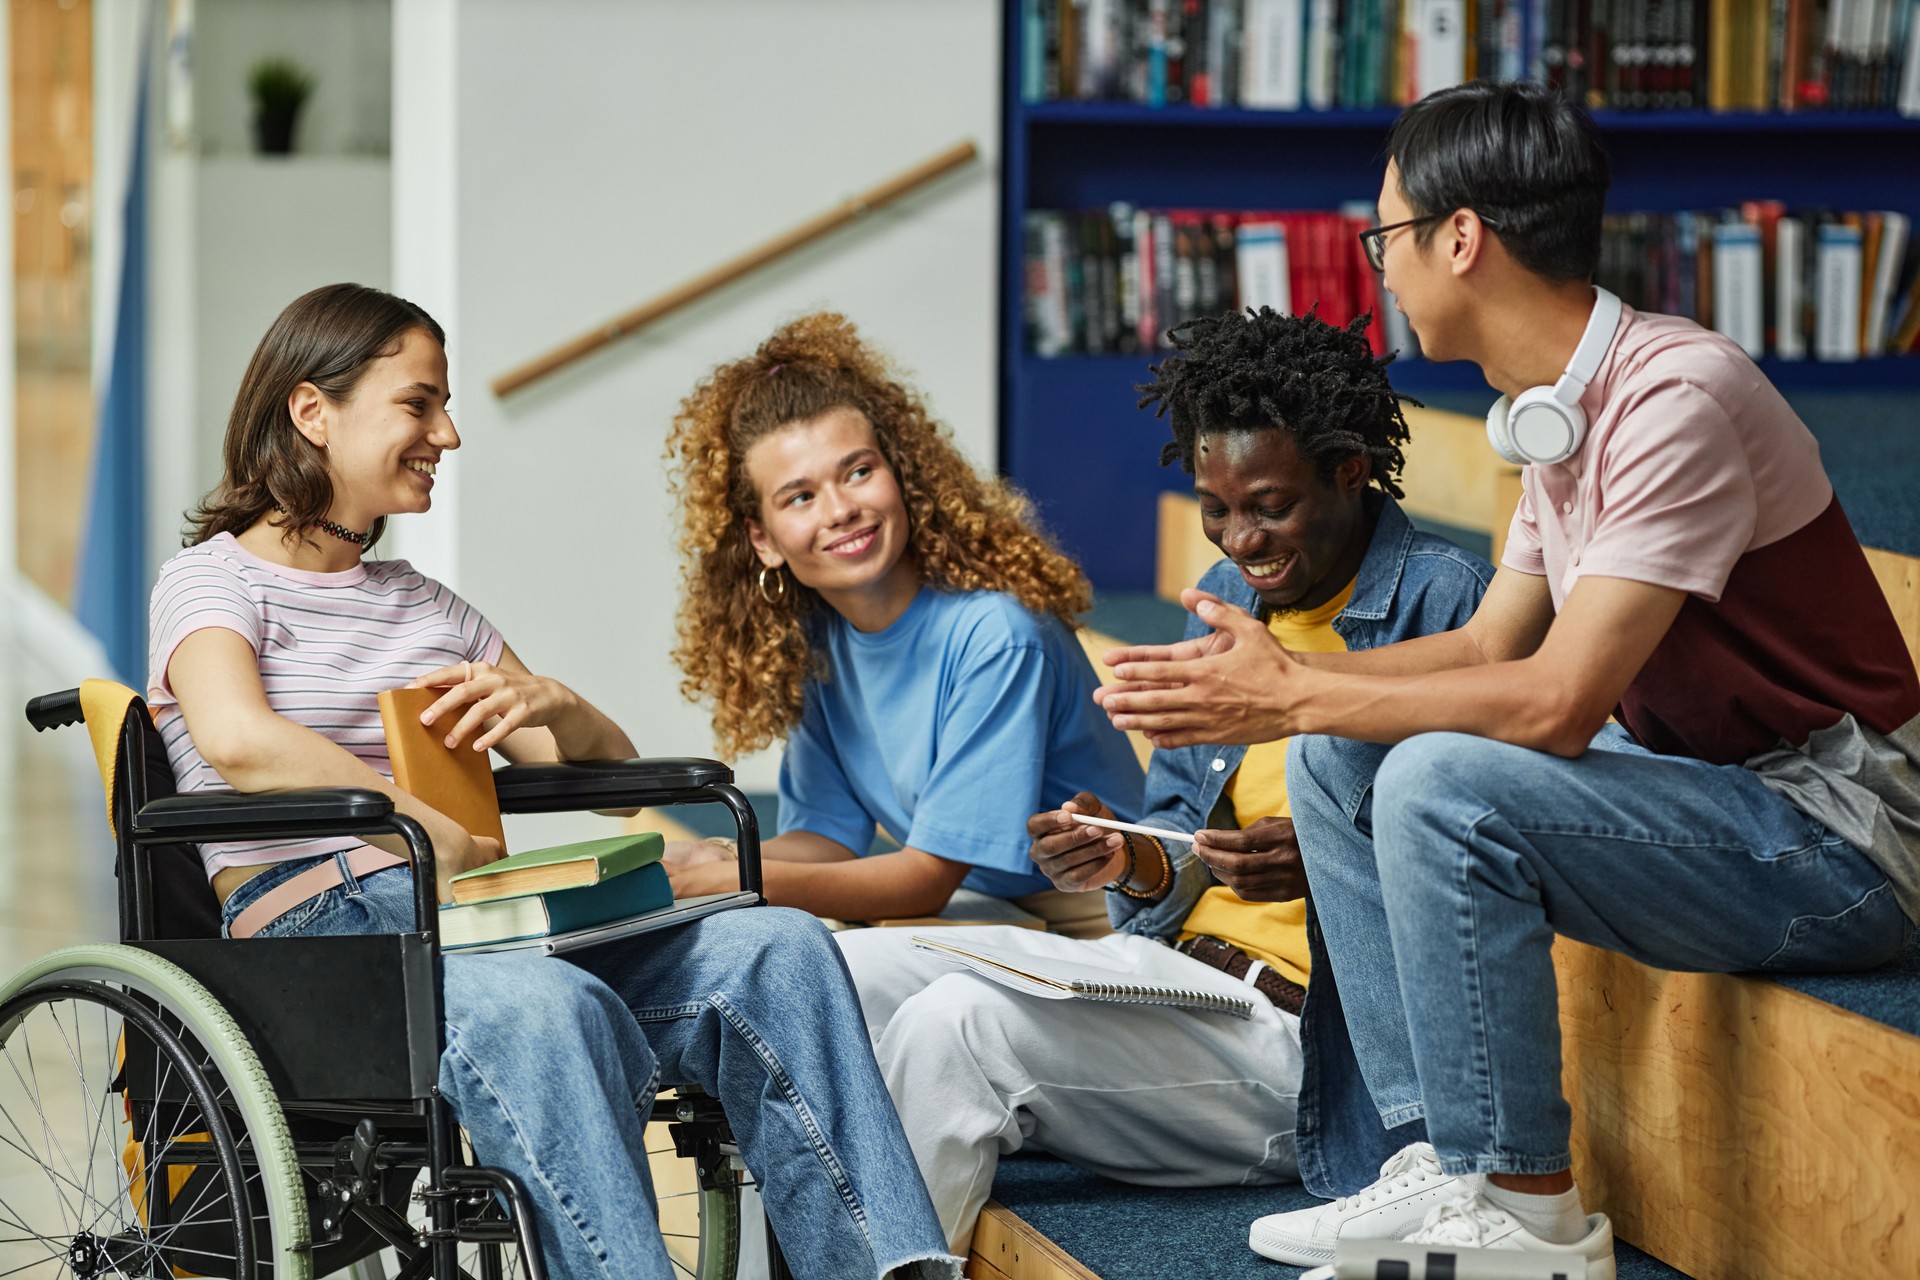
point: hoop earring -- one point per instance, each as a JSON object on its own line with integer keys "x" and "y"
{"x": 772, "y": 597}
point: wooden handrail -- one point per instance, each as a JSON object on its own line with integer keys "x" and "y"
{"x": 849, "y": 210}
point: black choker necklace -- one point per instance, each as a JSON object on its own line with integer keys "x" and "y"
{"x": 340, "y": 531}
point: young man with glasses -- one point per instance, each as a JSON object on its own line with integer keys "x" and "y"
{"x": 1460, "y": 799}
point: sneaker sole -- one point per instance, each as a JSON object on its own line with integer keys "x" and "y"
{"x": 1281, "y": 1250}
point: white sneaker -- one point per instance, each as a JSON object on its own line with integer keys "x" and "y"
{"x": 1392, "y": 1208}
{"x": 1474, "y": 1223}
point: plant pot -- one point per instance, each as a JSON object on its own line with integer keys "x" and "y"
{"x": 273, "y": 130}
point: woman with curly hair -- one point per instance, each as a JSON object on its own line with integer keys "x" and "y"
{"x": 853, "y": 587}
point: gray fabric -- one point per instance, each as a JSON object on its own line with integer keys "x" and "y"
{"x": 1865, "y": 787}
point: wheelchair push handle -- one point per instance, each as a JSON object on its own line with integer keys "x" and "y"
{"x": 54, "y": 710}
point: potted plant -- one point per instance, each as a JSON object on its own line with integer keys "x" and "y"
{"x": 280, "y": 87}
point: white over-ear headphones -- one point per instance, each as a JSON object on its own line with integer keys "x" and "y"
{"x": 1547, "y": 424}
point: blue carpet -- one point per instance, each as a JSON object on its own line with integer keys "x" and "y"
{"x": 1123, "y": 1232}
{"x": 1889, "y": 994}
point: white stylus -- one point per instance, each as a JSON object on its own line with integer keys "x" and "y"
{"x": 1114, "y": 824}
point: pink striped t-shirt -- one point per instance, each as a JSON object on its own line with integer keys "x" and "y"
{"x": 327, "y": 644}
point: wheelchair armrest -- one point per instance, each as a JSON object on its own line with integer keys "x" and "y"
{"x": 264, "y": 815}
{"x": 605, "y": 784}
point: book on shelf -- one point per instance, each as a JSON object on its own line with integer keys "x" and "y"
{"x": 542, "y": 914}
{"x": 1738, "y": 306}
{"x": 582, "y": 864}
{"x": 1702, "y": 265}
{"x": 1626, "y": 55}
{"x": 1115, "y": 280}
{"x": 1837, "y": 251}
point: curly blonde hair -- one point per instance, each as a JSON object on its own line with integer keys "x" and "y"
{"x": 750, "y": 658}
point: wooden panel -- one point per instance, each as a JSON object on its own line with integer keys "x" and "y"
{"x": 1506, "y": 500}
{"x": 1451, "y": 472}
{"x": 1096, "y": 644}
{"x": 1735, "y": 1128}
{"x": 1006, "y": 1245}
{"x": 1900, "y": 578}
{"x": 1184, "y": 555}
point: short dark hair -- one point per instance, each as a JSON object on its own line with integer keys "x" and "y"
{"x": 328, "y": 337}
{"x": 1264, "y": 371}
{"x": 1515, "y": 152}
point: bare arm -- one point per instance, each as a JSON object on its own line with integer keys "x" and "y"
{"x": 530, "y": 719}
{"x": 1555, "y": 699}
{"x": 1510, "y": 623}
{"x": 907, "y": 882}
{"x": 216, "y": 678}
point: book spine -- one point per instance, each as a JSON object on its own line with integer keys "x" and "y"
{"x": 1789, "y": 303}
{"x": 1261, "y": 260}
{"x": 1737, "y": 305}
{"x": 1837, "y": 309}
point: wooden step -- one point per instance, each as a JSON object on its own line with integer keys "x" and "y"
{"x": 1737, "y": 1128}
{"x": 1007, "y": 1247}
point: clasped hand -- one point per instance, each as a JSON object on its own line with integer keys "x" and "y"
{"x": 497, "y": 701}
{"x": 1233, "y": 685}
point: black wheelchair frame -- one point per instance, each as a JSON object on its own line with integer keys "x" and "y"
{"x": 383, "y": 995}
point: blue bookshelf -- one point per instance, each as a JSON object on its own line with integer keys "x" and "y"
{"x": 1070, "y": 435}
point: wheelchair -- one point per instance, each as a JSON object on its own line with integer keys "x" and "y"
{"x": 182, "y": 1104}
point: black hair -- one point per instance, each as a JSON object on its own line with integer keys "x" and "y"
{"x": 1263, "y": 371}
{"x": 1517, "y": 153}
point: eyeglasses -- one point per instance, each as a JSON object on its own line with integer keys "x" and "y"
{"x": 1374, "y": 239}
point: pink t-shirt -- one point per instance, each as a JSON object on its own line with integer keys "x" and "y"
{"x": 1785, "y": 656}
{"x": 1691, "y": 460}
{"x": 327, "y": 644}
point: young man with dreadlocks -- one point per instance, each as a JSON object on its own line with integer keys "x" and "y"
{"x": 1292, "y": 434}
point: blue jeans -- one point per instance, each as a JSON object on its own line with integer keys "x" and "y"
{"x": 551, "y": 1065}
{"x": 1442, "y": 868}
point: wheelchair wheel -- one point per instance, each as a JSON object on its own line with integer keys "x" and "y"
{"x": 699, "y": 1196}
{"x": 138, "y": 1132}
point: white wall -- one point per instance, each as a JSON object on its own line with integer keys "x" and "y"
{"x": 235, "y": 237}
{"x": 605, "y": 150}
{"x": 345, "y": 44}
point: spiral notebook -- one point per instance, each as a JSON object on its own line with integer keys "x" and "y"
{"x": 1053, "y": 979}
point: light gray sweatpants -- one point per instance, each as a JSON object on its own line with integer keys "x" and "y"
{"x": 1141, "y": 1093}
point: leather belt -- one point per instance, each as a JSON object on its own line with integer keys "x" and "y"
{"x": 308, "y": 885}
{"x": 1235, "y": 963}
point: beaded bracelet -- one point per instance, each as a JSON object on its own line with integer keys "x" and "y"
{"x": 1120, "y": 881}
{"x": 1166, "y": 873}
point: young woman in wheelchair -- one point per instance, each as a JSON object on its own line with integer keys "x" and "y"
{"x": 854, "y": 588}
{"x": 272, "y": 634}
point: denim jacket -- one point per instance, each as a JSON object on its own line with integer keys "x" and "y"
{"x": 1410, "y": 584}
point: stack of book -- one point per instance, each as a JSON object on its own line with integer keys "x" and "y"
{"x": 532, "y": 896}
{"x": 1285, "y": 55}
{"x": 546, "y": 892}
{"x": 1795, "y": 284}
{"x": 1115, "y": 280}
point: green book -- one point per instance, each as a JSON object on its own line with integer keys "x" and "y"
{"x": 565, "y": 866}
{"x": 539, "y": 915}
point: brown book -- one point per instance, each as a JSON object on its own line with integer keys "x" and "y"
{"x": 1871, "y": 227}
{"x": 457, "y": 781}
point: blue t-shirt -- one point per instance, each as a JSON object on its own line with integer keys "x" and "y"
{"x": 950, "y": 729}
